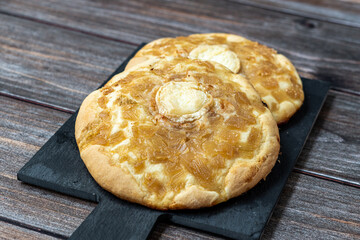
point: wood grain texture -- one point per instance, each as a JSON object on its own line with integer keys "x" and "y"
{"x": 337, "y": 11}
{"x": 11, "y": 232}
{"x": 333, "y": 147}
{"x": 315, "y": 209}
{"x": 24, "y": 128}
{"x": 318, "y": 49}
{"x": 54, "y": 66}
{"x": 307, "y": 206}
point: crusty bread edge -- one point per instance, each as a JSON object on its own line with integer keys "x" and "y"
{"x": 113, "y": 179}
{"x": 87, "y": 112}
{"x": 241, "y": 176}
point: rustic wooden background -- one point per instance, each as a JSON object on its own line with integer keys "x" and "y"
{"x": 54, "y": 53}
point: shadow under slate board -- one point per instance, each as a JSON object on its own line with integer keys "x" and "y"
{"x": 58, "y": 166}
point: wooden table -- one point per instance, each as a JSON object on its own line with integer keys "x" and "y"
{"x": 54, "y": 53}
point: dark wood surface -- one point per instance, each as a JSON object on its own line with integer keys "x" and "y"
{"x": 36, "y": 55}
{"x": 343, "y": 11}
{"x": 54, "y": 53}
{"x": 319, "y": 49}
{"x": 11, "y": 231}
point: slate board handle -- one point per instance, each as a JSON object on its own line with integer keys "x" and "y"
{"x": 109, "y": 221}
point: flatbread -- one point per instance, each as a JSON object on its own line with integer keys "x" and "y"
{"x": 272, "y": 75}
{"x": 177, "y": 133}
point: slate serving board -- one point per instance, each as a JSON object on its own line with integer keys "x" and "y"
{"x": 58, "y": 166}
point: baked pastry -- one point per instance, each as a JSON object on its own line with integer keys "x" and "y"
{"x": 177, "y": 133}
{"x": 272, "y": 75}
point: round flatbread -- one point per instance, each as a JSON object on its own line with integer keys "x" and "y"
{"x": 272, "y": 75}
{"x": 177, "y": 133}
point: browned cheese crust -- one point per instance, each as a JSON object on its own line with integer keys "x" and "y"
{"x": 177, "y": 133}
{"x": 272, "y": 75}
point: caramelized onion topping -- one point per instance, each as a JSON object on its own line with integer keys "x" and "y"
{"x": 201, "y": 148}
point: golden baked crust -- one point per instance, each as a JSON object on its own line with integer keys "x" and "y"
{"x": 272, "y": 75}
{"x": 177, "y": 133}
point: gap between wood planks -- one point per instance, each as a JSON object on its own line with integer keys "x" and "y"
{"x": 67, "y": 28}
{"x": 288, "y": 11}
{"x": 132, "y": 43}
{"x": 27, "y": 226}
{"x": 109, "y": 38}
{"x": 282, "y": 10}
{"x": 298, "y": 170}
{"x": 241, "y": 2}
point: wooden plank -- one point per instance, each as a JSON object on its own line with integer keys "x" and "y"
{"x": 311, "y": 208}
{"x": 54, "y": 66}
{"x": 10, "y": 232}
{"x": 338, "y": 11}
{"x": 41, "y": 209}
{"x": 318, "y": 49}
{"x": 25, "y": 127}
{"x": 333, "y": 147}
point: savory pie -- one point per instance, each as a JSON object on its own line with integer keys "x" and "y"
{"x": 272, "y": 75}
{"x": 177, "y": 133}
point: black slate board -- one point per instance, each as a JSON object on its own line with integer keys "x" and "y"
{"x": 58, "y": 166}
